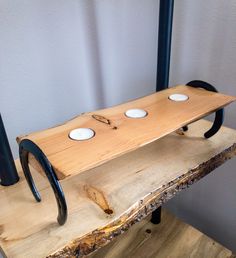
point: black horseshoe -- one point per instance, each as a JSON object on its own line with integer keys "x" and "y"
{"x": 27, "y": 146}
{"x": 219, "y": 114}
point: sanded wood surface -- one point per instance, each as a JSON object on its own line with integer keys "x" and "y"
{"x": 171, "y": 238}
{"x": 109, "y": 199}
{"x": 117, "y": 134}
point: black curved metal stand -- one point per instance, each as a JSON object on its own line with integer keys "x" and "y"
{"x": 219, "y": 114}
{"x": 27, "y": 146}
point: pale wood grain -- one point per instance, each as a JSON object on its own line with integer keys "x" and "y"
{"x": 132, "y": 186}
{"x": 117, "y": 134}
{"x": 171, "y": 238}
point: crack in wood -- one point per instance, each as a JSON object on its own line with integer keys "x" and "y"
{"x": 104, "y": 120}
{"x": 101, "y": 119}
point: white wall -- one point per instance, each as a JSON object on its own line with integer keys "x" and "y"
{"x": 59, "y": 58}
{"x": 204, "y": 47}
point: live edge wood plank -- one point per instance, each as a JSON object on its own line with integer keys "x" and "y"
{"x": 107, "y": 200}
{"x": 117, "y": 134}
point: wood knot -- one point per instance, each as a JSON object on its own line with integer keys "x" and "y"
{"x": 108, "y": 211}
{"x": 99, "y": 198}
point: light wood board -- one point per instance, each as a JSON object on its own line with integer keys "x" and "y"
{"x": 109, "y": 199}
{"x": 171, "y": 238}
{"x": 117, "y": 134}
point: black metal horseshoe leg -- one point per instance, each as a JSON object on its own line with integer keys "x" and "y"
{"x": 219, "y": 114}
{"x": 27, "y": 146}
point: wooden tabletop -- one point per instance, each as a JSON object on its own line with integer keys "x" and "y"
{"x": 172, "y": 238}
{"x": 107, "y": 200}
{"x": 116, "y": 134}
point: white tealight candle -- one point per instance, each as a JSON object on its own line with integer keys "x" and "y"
{"x": 136, "y": 113}
{"x": 178, "y": 97}
{"x": 81, "y": 134}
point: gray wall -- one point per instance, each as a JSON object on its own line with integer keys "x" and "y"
{"x": 204, "y": 46}
{"x": 59, "y": 58}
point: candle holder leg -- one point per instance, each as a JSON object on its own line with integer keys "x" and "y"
{"x": 26, "y": 146}
{"x": 219, "y": 114}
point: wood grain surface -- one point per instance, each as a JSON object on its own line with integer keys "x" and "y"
{"x": 117, "y": 134}
{"x": 107, "y": 200}
{"x": 170, "y": 239}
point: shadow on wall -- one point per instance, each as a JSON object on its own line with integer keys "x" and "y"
{"x": 204, "y": 47}
{"x": 94, "y": 57}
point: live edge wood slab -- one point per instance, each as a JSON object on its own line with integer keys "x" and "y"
{"x": 107, "y": 200}
{"x": 116, "y": 134}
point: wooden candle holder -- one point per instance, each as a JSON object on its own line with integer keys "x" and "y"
{"x": 53, "y": 153}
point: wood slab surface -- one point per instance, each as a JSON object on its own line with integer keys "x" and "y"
{"x": 116, "y": 134}
{"x": 107, "y": 200}
{"x": 170, "y": 239}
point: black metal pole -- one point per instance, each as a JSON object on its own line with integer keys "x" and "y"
{"x": 8, "y": 173}
{"x": 156, "y": 216}
{"x": 166, "y": 10}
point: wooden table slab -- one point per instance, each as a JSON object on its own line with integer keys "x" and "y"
{"x": 107, "y": 200}
{"x": 171, "y": 238}
{"x": 117, "y": 134}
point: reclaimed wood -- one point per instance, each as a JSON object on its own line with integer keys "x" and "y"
{"x": 117, "y": 134}
{"x": 107, "y": 200}
{"x": 171, "y": 238}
